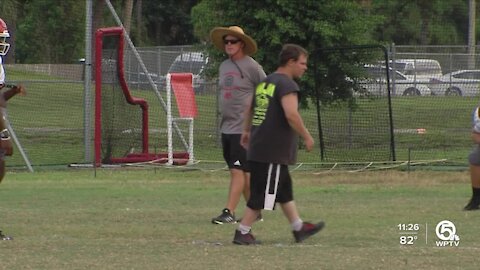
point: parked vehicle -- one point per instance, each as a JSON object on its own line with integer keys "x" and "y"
{"x": 140, "y": 79}
{"x": 191, "y": 62}
{"x": 419, "y": 70}
{"x": 186, "y": 62}
{"x": 457, "y": 83}
{"x": 376, "y": 83}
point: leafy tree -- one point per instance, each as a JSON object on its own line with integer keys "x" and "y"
{"x": 127, "y": 14}
{"x": 9, "y": 12}
{"x": 432, "y": 22}
{"x": 167, "y": 22}
{"x": 313, "y": 24}
{"x": 51, "y": 31}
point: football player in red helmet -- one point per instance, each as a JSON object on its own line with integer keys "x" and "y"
{"x": 6, "y": 145}
{"x": 4, "y": 46}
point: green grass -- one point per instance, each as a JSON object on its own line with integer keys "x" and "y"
{"x": 160, "y": 219}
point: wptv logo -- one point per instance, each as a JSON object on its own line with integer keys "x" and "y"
{"x": 447, "y": 234}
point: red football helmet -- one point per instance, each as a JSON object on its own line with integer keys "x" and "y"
{"x": 4, "y": 46}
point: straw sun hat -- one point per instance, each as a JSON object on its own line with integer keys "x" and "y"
{"x": 218, "y": 33}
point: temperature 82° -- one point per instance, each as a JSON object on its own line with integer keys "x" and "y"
{"x": 408, "y": 239}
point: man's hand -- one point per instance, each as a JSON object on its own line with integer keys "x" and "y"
{"x": 309, "y": 142}
{"x": 13, "y": 91}
{"x": 20, "y": 89}
{"x": 245, "y": 139}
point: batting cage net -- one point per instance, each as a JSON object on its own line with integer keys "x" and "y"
{"x": 359, "y": 126}
{"x": 131, "y": 107}
{"x": 121, "y": 120}
{"x": 375, "y": 105}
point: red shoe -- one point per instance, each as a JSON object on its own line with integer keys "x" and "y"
{"x": 308, "y": 229}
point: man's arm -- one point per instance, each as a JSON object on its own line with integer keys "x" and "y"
{"x": 17, "y": 89}
{"x": 8, "y": 94}
{"x": 247, "y": 125}
{"x": 290, "y": 106}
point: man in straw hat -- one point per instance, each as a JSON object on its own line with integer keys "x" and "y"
{"x": 271, "y": 129}
{"x": 238, "y": 77}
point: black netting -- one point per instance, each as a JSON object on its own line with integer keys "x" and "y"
{"x": 121, "y": 130}
{"x": 357, "y": 127}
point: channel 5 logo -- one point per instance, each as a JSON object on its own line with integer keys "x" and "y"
{"x": 447, "y": 234}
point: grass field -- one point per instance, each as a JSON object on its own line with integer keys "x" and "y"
{"x": 160, "y": 219}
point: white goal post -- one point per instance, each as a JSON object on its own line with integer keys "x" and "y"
{"x": 182, "y": 86}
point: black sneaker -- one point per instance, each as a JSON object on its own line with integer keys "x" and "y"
{"x": 225, "y": 217}
{"x": 473, "y": 204}
{"x": 308, "y": 229}
{"x": 5, "y": 237}
{"x": 245, "y": 239}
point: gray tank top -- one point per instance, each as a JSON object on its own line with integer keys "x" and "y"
{"x": 237, "y": 84}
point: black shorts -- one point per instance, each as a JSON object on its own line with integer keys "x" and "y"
{"x": 269, "y": 183}
{"x": 234, "y": 154}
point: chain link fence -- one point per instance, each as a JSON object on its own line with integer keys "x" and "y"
{"x": 49, "y": 121}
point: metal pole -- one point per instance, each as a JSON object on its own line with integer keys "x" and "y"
{"x": 17, "y": 142}
{"x": 471, "y": 34}
{"x": 87, "y": 82}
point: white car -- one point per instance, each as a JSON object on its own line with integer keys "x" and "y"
{"x": 457, "y": 83}
{"x": 420, "y": 70}
{"x": 192, "y": 62}
{"x": 400, "y": 85}
{"x": 187, "y": 62}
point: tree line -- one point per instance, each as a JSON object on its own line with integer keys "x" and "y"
{"x": 53, "y": 31}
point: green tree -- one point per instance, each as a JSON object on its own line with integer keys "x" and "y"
{"x": 9, "y": 10}
{"x": 425, "y": 22}
{"x": 51, "y": 31}
{"x": 313, "y": 24}
{"x": 127, "y": 14}
{"x": 167, "y": 22}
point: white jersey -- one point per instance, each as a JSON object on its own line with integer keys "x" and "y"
{"x": 2, "y": 72}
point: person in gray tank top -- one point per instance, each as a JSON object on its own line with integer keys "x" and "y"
{"x": 238, "y": 77}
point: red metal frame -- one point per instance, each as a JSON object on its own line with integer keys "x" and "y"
{"x": 99, "y": 34}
